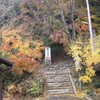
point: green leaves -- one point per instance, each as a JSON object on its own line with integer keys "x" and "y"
{"x": 36, "y": 88}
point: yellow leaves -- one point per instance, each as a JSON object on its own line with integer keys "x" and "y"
{"x": 23, "y": 47}
{"x": 76, "y": 50}
{"x": 93, "y": 58}
{"x": 82, "y": 53}
{"x": 78, "y": 69}
{"x": 90, "y": 72}
{"x": 85, "y": 79}
{"x": 97, "y": 56}
{"x": 10, "y": 34}
{"x": 16, "y": 46}
{"x": 38, "y": 43}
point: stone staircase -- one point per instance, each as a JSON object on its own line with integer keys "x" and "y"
{"x": 58, "y": 80}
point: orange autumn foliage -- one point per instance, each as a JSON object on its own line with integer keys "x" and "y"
{"x": 25, "y": 53}
{"x": 82, "y": 27}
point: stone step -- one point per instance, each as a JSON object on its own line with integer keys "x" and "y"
{"x": 59, "y": 67}
{"x": 65, "y": 97}
{"x": 56, "y": 75}
{"x": 64, "y": 87}
{"x": 58, "y": 78}
{"x": 58, "y": 98}
{"x": 59, "y": 84}
{"x": 56, "y": 72}
{"x": 59, "y": 91}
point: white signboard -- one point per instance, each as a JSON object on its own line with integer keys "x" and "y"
{"x": 48, "y": 55}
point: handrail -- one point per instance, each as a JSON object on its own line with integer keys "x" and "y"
{"x": 6, "y": 62}
{"x": 74, "y": 88}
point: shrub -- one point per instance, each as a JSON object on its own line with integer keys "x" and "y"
{"x": 85, "y": 60}
{"x": 36, "y": 89}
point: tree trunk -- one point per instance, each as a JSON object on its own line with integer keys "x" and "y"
{"x": 62, "y": 16}
{"x": 73, "y": 23}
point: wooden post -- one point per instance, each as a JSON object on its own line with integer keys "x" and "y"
{"x": 9, "y": 64}
{"x": 80, "y": 83}
{"x": 70, "y": 77}
{"x": 77, "y": 64}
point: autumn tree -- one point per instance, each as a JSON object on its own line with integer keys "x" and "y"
{"x": 26, "y": 54}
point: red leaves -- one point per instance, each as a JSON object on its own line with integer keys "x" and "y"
{"x": 82, "y": 27}
{"x": 59, "y": 37}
